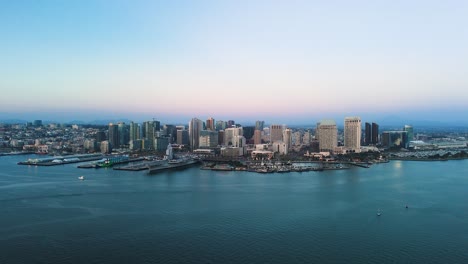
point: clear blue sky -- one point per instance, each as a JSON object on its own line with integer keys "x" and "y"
{"x": 288, "y": 60}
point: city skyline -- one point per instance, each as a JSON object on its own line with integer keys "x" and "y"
{"x": 294, "y": 63}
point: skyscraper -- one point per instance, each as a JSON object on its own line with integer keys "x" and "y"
{"x": 259, "y": 125}
{"x": 257, "y": 137}
{"x": 114, "y": 139}
{"x": 409, "y": 131}
{"x": 134, "y": 131}
{"x": 210, "y": 124}
{"x": 352, "y": 133}
{"x": 287, "y": 137}
{"x": 248, "y": 132}
{"x": 149, "y": 134}
{"x": 368, "y": 134}
{"x": 375, "y": 134}
{"x": 123, "y": 134}
{"x": 195, "y": 126}
{"x": 328, "y": 135}
{"x": 276, "y": 133}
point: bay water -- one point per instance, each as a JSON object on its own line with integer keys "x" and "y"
{"x": 47, "y": 215}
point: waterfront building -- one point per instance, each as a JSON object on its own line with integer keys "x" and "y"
{"x": 367, "y": 134}
{"x": 135, "y": 145}
{"x": 241, "y": 143}
{"x": 124, "y": 136}
{"x": 327, "y": 133}
{"x": 297, "y": 138}
{"x": 391, "y": 139}
{"x": 149, "y": 129}
{"x": 306, "y": 138}
{"x": 182, "y": 137}
{"x": 230, "y": 152}
{"x": 276, "y": 133}
{"x": 352, "y": 134}
{"x": 287, "y": 137}
{"x": 161, "y": 143}
{"x": 171, "y": 132}
{"x": 195, "y": 126}
{"x": 114, "y": 138}
{"x": 134, "y": 131}
{"x": 375, "y": 134}
{"x": 231, "y": 123}
{"x": 208, "y": 139}
{"x": 280, "y": 147}
{"x": 230, "y": 133}
{"x": 106, "y": 147}
{"x": 210, "y": 124}
{"x": 409, "y": 131}
{"x": 257, "y": 137}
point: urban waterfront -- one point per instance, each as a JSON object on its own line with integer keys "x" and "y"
{"x": 203, "y": 216}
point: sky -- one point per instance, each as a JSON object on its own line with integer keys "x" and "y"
{"x": 290, "y": 61}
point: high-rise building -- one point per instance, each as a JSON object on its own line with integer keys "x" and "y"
{"x": 114, "y": 138}
{"x": 210, "y": 124}
{"x": 171, "y": 132}
{"x": 375, "y": 134}
{"x": 297, "y": 138}
{"x": 276, "y": 133}
{"x": 149, "y": 129}
{"x": 352, "y": 133}
{"x": 220, "y": 125}
{"x": 123, "y": 134}
{"x": 195, "y": 126}
{"x": 134, "y": 131}
{"x": 230, "y": 133}
{"x": 208, "y": 139}
{"x": 182, "y": 137}
{"x": 306, "y": 138}
{"x": 257, "y": 137}
{"x": 368, "y": 134}
{"x": 397, "y": 139}
{"x": 231, "y": 123}
{"x": 328, "y": 135}
{"x": 287, "y": 138}
{"x": 248, "y": 132}
{"x": 409, "y": 131}
{"x": 259, "y": 125}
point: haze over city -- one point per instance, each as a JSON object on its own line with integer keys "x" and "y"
{"x": 290, "y": 62}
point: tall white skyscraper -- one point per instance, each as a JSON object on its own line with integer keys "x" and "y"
{"x": 195, "y": 126}
{"x": 328, "y": 135}
{"x": 287, "y": 137}
{"x": 352, "y": 133}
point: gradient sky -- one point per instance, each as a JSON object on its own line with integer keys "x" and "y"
{"x": 288, "y": 60}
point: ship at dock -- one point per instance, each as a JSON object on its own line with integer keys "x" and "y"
{"x": 173, "y": 165}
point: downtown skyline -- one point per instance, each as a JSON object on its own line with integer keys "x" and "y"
{"x": 293, "y": 63}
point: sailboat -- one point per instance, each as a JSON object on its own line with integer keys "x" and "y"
{"x": 379, "y": 212}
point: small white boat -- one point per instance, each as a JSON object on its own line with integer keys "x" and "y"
{"x": 379, "y": 213}
{"x": 81, "y": 178}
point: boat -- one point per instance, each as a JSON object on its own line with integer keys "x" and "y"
{"x": 173, "y": 165}
{"x": 81, "y": 178}
{"x": 379, "y": 213}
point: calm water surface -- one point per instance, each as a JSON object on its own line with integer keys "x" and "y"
{"x": 196, "y": 216}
